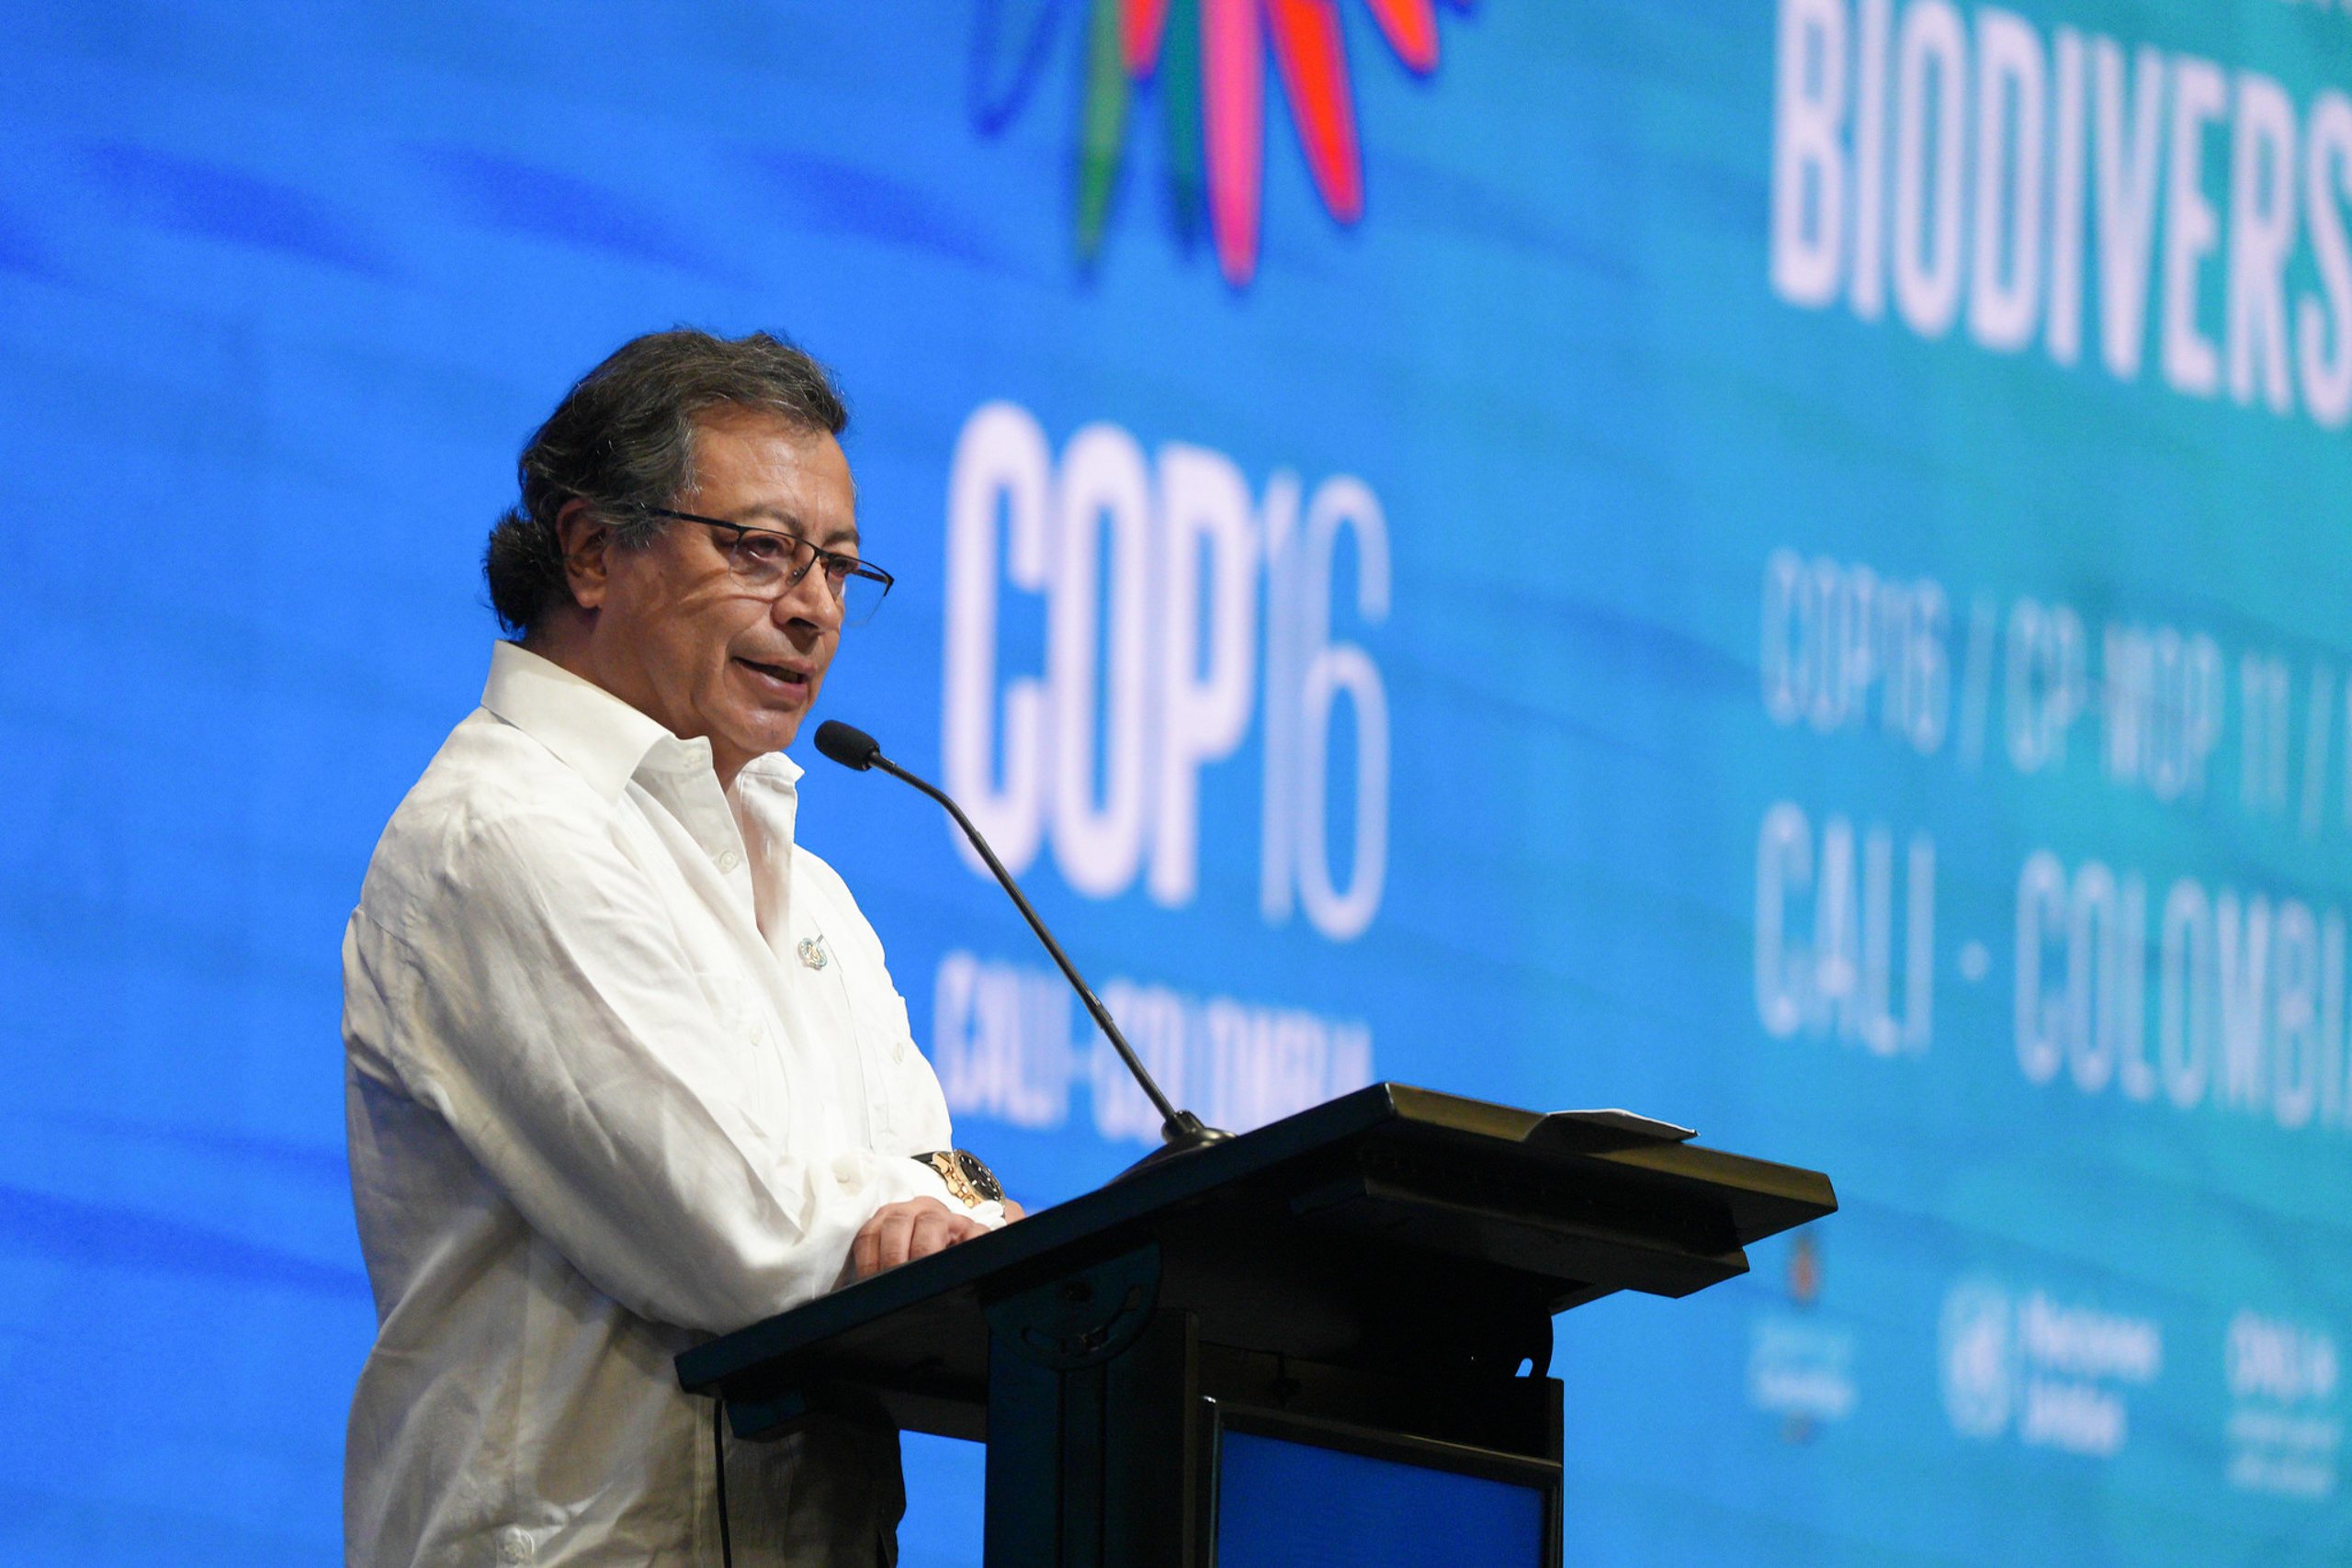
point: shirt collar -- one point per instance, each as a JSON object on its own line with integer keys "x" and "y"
{"x": 592, "y": 732}
{"x": 769, "y": 789}
{"x": 774, "y": 772}
{"x": 597, "y": 735}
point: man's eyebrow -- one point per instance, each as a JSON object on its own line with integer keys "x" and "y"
{"x": 791, "y": 521}
{"x": 846, "y": 535}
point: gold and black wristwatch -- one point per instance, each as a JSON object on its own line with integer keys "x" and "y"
{"x": 969, "y": 1180}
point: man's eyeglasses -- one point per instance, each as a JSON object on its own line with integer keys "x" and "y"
{"x": 765, "y": 560}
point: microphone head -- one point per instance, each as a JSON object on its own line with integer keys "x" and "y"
{"x": 847, "y": 744}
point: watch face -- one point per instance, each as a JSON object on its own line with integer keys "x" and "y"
{"x": 982, "y": 1179}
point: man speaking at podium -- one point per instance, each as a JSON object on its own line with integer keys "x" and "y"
{"x": 624, "y": 1066}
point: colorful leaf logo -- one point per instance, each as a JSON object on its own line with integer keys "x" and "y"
{"x": 1207, "y": 59}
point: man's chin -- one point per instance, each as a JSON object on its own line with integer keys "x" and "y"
{"x": 755, "y": 736}
{"x": 776, "y": 731}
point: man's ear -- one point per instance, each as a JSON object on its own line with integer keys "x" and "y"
{"x": 587, "y": 552}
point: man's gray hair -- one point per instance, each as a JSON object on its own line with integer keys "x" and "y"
{"x": 623, "y": 440}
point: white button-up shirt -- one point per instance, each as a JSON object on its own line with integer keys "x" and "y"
{"x": 625, "y": 1070}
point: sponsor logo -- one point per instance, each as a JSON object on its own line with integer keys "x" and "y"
{"x": 2054, "y": 1374}
{"x": 1799, "y": 1368}
{"x": 1978, "y": 1345}
{"x": 2286, "y": 1424}
{"x": 1205, "y": 59}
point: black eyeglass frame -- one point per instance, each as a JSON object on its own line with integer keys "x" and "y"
{"x": 851, "y": 565}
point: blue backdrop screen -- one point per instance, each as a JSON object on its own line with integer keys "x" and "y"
{"x": 1779, "y": 564}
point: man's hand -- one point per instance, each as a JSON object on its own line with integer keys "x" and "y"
{"x": 901, "y": 1233}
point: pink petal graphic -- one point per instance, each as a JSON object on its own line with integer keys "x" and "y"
{"x": 1234, "y": 72}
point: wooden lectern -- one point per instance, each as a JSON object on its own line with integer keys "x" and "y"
{"x": 1338, "y": 1323}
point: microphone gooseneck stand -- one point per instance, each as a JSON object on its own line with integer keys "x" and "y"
{"x": 1181, "y": 1130}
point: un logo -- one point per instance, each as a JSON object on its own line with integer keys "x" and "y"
{"x": 1978, "y": 1345}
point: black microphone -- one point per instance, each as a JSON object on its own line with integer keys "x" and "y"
{"x": 1182, "y": 1131}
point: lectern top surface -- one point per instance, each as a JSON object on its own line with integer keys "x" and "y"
{"x": 1560, "y": 1208}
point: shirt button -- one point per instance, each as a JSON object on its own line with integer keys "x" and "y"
{"x": 728, "y": 860}
{"x": 897, "y": 1050}
{"x": 515, "y": 1547}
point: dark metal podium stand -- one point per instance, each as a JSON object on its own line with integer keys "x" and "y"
{"x": 1377, "y": 1273}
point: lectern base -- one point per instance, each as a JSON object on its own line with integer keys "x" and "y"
{"x": 1115, "y": 1434}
